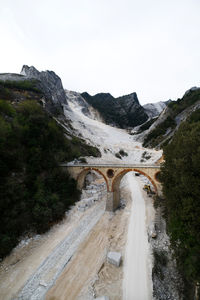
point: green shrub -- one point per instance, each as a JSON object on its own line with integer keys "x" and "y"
{"x": 118, "y": 155}
{"x": 82, "y": 160}
{"x": 145, "y": 155}
{"x": 6, "y": 109}
{"x": 123, "y": 153}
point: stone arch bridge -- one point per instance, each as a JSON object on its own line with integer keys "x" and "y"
{"x": 112, "y": 174}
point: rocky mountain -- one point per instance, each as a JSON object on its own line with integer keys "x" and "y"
{"x": 154, "y": 109}
{"x": 47, "y": 82}
{"x": 121, "y": 112}
{"x": 176, "y": 112}
{"x": 50, "y": 83}
{"x": 75, "y": 99}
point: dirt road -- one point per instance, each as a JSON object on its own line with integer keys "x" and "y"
{"x": 137, "y": 268}
{"x": 69, "y": 262}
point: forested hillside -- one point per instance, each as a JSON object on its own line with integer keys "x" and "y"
{"x": 163, "y": 129}
{"x": 181, "y": 188}
{"x": 34, "y": 192}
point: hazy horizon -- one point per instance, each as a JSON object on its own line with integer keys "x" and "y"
{"x": 117, "y": 47}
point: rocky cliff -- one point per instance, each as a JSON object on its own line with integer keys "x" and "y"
{"x": 122, "y": 112}
{"x": 75, "y": 99}
{"x": 154, "y": 109}
{"x": 49, "y": 82}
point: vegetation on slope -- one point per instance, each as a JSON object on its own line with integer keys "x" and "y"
{"x": 34, "y": 191}
{"x": 7, "y": 86}
{"x": 188, "y": 99}
{"x": 147, "y": 125}
{"x": 181, "y": 183}
{"x": 158, "y": 134}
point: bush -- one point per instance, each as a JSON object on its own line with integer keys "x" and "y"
{"x": 145, "y": 155}
{"x": 123, "y": 153}
{"x": 118, "y": 155}
{"x": 82, "y": 160}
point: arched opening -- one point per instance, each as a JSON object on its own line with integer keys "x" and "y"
{"x": 116, "y": 185}
{"x": 83, "y": 174}
{"x": 157, "y": 176}
{"x": 110, "y": 173}
{"x": 93, "y": 188}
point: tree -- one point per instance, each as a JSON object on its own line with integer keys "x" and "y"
{"x": 181, "y": 187}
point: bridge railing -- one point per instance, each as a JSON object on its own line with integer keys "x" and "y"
{"x": 110, "y": 165}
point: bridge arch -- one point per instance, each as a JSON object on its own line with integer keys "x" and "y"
{"x": 116, "y": 184}
{"x": 81, "y": 177}
{"x": 112, "y": 175}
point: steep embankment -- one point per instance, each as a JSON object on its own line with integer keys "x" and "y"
{"x": 163, "y": 129}
{"x": 115, "y": 144}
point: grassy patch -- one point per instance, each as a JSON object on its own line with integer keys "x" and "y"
{"x": 26, "y": 85}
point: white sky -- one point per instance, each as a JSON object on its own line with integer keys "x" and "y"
{"x": 151, "y": 47}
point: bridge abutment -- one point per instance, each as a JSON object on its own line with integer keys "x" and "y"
{"x": 109, "y": 202}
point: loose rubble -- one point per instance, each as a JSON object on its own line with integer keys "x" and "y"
{"x": 167, "y": 283}
{"x": 114, "y": 258}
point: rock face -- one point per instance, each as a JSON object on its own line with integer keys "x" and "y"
{"x": 11, "y": 76}
{"x": 154, "y": 109}
{"x": 122, "y": 112}
{"x": 75, "y": 99}
{"x": 49, "y": 82}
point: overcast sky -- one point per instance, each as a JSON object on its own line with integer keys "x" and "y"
{"x": 151, "y": 47}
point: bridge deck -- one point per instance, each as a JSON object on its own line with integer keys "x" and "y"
{"x": 110, "y": 165}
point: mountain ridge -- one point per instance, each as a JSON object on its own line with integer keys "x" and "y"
{"x": 123, "y": 112}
